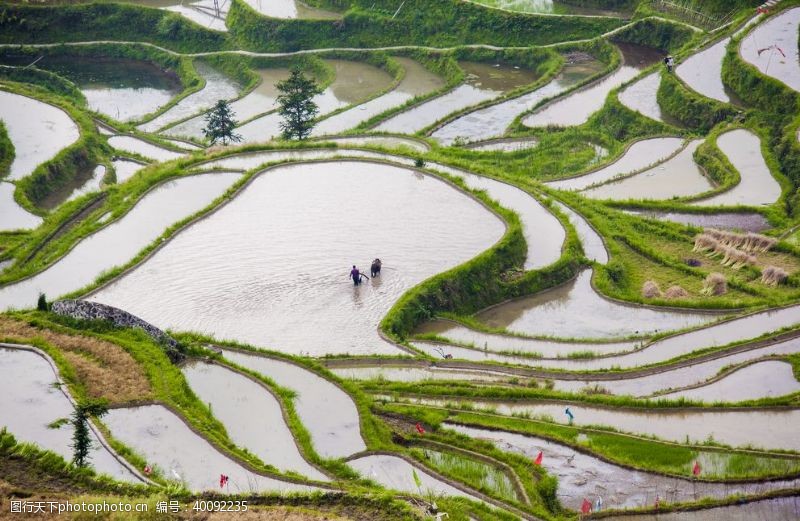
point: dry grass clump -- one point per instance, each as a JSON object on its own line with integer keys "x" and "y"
{"x": 750, "y": 242}
{"x": 105, "y": 369}
{"x": 650, "y": 289}
{"x": 772, "y": 276}
{"x": 715, "y": 284}
{"x": 676, "y": 292}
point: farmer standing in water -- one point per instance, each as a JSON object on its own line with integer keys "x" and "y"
{"x": 355, "y": 275}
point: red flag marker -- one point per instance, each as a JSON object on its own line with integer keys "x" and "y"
{"x": 223, "y": 480}
{"x": 696, "y": 469}
{"x": 586, "y": 507}
{"x": 147, "y": 470}
{"x": 420, "y": 429}
{"x": 538, "y": 459}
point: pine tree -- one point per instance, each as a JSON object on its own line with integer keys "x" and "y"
{"x": 81, "y": 439}
{"x": 220, "y": 124}
{"x": 297, "y": 106}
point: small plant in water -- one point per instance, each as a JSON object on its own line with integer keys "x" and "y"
{"x": 41, "y": 304}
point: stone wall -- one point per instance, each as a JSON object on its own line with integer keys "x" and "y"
{"x": 85, "y": 310}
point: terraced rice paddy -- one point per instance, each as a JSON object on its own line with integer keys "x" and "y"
{"x": 549, "y": 333}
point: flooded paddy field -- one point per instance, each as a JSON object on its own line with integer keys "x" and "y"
{"x": 676, "y": 177}
{"x": 577, "y": 107}
{"x": 492, "y": 121}
{"x": 165, "y": 440}
{"x": 119, "y": 88}
{"x": 483, "y": 82}
{"x": 766, "y": 429}
{"x": 756, "y": 186}
{"x": 772, "y": 47}
{"x": 268, "y": 280}
{"x": 778, "y": 509}
{"x": 260, "y": 100}
{"x": 576, "y": 310}
{"x": 118, "y": 242}
{"x": 703, "y": 72}
{"x": 325, "y": 409}
{"x": 639, "y": 156}
{"x": 397, "y": 474}
{"x": 233, "y": 397}
{"x": 217, "y": 86}
{"x": 282, "y": 374}
{"x": 37, "y": 130}
{"x": 12, "y": 215}
{"x": 30, "y": 404}
{"x": 354, "y": 83}
{"x": 583, "y": 476}
{"x": 746, "y": 222}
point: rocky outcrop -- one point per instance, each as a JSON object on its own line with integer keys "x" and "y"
{"x": 85, "y": 310}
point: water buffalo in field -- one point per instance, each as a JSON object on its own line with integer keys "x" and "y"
{"x": 375, "y": 268}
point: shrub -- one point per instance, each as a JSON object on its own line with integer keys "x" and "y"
{"x": 41, "y": 304}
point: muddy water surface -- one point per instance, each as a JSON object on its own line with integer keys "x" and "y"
{"x": 763, "y": 429}
{"x": 716, "y": 335}
{"x": 483, "y": 82}
{"x": 493, "y": 121}
{"x": 760, "y": 380}
{"x": 415, "y": 374}
{"x": 639, "y": 156}
{"x": 260, "y": 100}
{"x": 124, "y": 169}
{"x": 417, "y": 81}
{"x": 329, "y": 414}
{"x": 582, "y": 476}
{"x": 251, "y": 415}
{"x": 296, "y": 266}
{"x": 143, "y": 148}
{"x": 748, "y": 222}
{"x": 204, "y": 17}
{"x": 642, "y": 97}
{"x": 29, "y": 403}
{"x": 505, "y": 145}
{"x": 593, "y": 245}
{"x": 686, "y": 376}
{"x": 767, "y": 44}
{"x": 290, "y": 9}
{"x": 576, "y": 108}
{"x": 119, "y": 88}
{"x": 757, "y": 187}
{"x": 354, "y": 82}
{"x": 779, "y": 509}
{"x": 218, "y": 86}
{"x": 677, "y": 177}
{"x": 575, "y": 310}
{"x": 117, "y": 243}
{"x": 397, "y": 474}
{"x": 12, "y": 215}
{"x": 507, "y": 343}
{"x": 703, "y": 72}
{"x": 87, "y": 181}
{"x": 163, "y": 439}
{"x": 37, "y": 130}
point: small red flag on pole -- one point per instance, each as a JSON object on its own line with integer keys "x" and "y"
{"x": 586, "y": 507}
{"x": 420, "y": 429}
{"x": 538, "y": 459}
{"x": 696, "y": 469}
{"x": 223, "y": 480}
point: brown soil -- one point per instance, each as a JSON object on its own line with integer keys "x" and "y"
{"x": 105, "y": 369}
{"x": 268, "y": 514}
